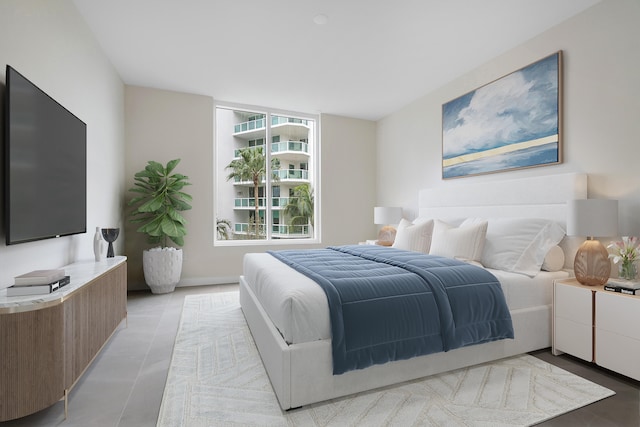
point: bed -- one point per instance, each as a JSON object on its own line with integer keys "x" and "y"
{"x": 288, "y": 314}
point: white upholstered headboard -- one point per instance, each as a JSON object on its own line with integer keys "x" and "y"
{"x": 534, "y": 197}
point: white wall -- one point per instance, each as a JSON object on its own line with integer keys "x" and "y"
{"x": 162, "y": 125}
{"x": 49, "y": 43}
{"x": 601, "y": 105}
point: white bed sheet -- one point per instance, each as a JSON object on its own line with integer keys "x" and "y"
{"x": 298, "y": 307}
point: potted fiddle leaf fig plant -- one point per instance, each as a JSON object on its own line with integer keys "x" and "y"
{"x": 157, "y": 205}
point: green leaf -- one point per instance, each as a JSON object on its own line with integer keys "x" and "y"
{"x": 153, "y": 166}
{"x": 180, "y": 205}
{"x": 171, "y": 166}
{"x": 175, "y": 216}
{"x": 139, "y": 189}
{"x": 179, "y": 176}
{"x": 136, "y": 200}
{"x": 153, "y": 228}
{"x": 185, "y": 196}
{"x": 178, "y": 240}
{"x": 153, "y": 205}
{"x": 172, "y": 228}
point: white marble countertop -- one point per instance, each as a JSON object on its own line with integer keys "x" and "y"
{"x": 80, "y": 273}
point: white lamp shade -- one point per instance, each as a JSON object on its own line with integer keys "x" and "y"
{"x": 592, "y": 218}
{"x": 387, "y": 215}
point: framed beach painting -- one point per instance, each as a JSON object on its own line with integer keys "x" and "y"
{"x": 510, "y": 123}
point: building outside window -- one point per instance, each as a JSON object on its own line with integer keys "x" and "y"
{"x": 265, "y": 192}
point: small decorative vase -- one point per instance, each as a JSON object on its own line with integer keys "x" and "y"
{"x": 627, "y": 270}
{"x": 110, "y": 235}
{"x": 98, "y": 245}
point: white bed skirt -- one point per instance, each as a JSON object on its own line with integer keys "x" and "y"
{"x": 302, "y": 374}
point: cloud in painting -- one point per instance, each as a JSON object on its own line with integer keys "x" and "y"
{"x": 519, "y": 107}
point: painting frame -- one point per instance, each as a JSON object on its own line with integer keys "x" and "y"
{"x": 511, "y": 123}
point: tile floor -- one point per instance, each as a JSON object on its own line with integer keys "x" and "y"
{"x": 124, "y": 385}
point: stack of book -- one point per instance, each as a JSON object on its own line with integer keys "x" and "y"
{"x": 630, "y": 287}
{"x": 38, "y": 282}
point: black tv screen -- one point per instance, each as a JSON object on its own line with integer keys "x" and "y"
{"x": 45, "y": 165}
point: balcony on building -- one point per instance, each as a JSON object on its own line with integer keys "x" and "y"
{"x": 257, "y": 126}
{"x": 278, "y": 231}
{"x": 249, "y": 203}
{"x": 291, "y": 176}
{"x": 286, "y": 150}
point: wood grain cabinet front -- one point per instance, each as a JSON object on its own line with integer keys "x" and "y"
{"x": 48, "y": 342}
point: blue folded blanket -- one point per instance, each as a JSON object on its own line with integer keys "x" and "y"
{"x": 388, "y": 304}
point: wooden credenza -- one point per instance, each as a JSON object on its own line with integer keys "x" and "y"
{"x": 48, "y": 341}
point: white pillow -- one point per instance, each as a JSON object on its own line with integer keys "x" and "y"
{"x": 554, "y": 259}
{"x": 465, "y": 242}
{"x": 520, "y": 244}
{"x": 414, "y": 237}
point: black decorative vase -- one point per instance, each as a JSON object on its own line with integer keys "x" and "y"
{"x": 110, "y": 235}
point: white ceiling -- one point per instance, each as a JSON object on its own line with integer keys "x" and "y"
{"x": 368, "y": 60}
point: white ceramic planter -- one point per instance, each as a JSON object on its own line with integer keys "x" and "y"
{"x": 162, "y": 269}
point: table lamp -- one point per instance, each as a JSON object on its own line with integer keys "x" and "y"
{"x": 386, "y": 216}
{"x": 592, "y": 218}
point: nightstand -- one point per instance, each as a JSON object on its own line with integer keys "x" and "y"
{"x": 597, "y": 326}
{"x": 369, "y": 242}
{"x": 573, "y": 319}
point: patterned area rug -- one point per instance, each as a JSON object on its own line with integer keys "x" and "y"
{"x": 216, "y": 378}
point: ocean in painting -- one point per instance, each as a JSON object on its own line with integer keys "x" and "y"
{"x": 510, "y": 123}
{"x": 532, "y": 156}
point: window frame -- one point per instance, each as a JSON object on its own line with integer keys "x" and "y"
{"x": 315, "y": 176}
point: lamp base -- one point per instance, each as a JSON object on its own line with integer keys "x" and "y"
{"x": 591, "y": 265}
{"x": 386, "y": 236}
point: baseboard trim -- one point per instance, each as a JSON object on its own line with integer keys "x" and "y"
{"x": 202, "y": 281}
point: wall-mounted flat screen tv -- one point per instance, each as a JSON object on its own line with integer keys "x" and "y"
{"x": 45, "y": 165}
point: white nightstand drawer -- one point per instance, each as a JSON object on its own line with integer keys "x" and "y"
{"x": 573, "y": 338}
{"x": 574, "y": 303}
{"x": 618, "y": 353}
{"x": 618, "y": 313}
